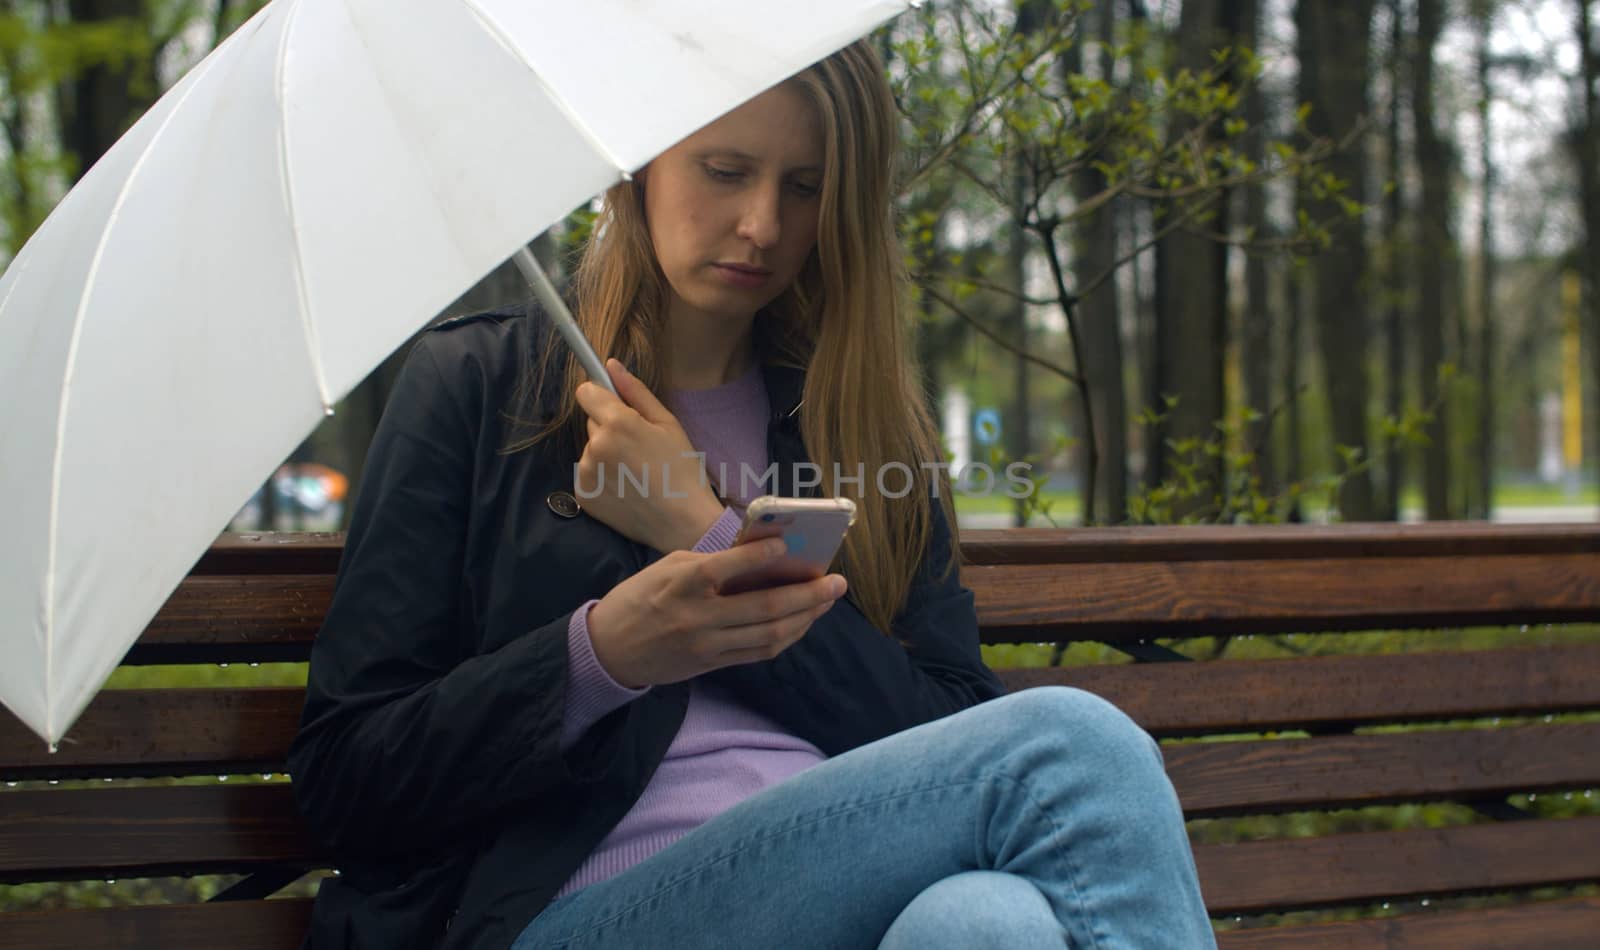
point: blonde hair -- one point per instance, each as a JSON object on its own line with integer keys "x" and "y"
{"x": 844, "y": 321}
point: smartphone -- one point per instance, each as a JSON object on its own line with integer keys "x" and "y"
{"x": 813, "y": 528}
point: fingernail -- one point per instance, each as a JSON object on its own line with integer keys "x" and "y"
{"x": 776, "y": 547}
{"x": 837, "y": 587}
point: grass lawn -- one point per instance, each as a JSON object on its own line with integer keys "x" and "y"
{"x": 1065, "y": 505}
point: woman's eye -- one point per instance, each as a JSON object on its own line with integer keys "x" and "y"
{"x": 806, "y": 189}
{"x": 721, "y": 174}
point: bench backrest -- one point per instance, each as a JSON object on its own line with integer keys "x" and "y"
{"x": 261, "y": 598}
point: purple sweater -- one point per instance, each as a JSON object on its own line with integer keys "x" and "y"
{"x": 724, "y": 752}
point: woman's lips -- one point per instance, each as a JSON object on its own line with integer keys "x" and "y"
{"x": 742, "y": 276}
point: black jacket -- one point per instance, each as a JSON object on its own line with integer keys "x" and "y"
{"x": 428, "y": 759}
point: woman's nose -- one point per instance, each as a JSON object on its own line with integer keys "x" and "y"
{"x": 759, "y": 223}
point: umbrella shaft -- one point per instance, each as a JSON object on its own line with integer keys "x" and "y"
{"x": 557, "y": 309}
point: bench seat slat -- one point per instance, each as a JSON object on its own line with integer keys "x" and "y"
{"x": 276, "y": 616}
{"x": 148, "y": 832}
{"x": 237, "y": 925}
{"x": 271, "y": 617}
{"x": 312, "y": 552}
{"x": 1020, "y": 603}
{"x": 1236, "y": 878}
{"x": 127, "y": 733}
{"x": 1286, "y": 874}
{"x": 1176, "y": 699}
{"x": 1434, "y": 539}
{"x": 1569, "y": 924}
{"x": 155, "y": 732}
{"x": 1217, "y": 779}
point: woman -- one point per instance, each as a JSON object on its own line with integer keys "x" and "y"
{"x": 529, "y": 725}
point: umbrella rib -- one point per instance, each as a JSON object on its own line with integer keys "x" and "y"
{"x": 297, "y": 262}
{"x": 66, "y": 388}
{"x": 503, "y": 38}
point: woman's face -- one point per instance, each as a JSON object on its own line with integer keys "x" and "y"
{"x": 733, "y": 208}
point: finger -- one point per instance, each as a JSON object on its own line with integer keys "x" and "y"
{"x": 757, "y": 606}
{"x": 757, "y": 642}
{"x": 720, "y": 567}
{"x": 599, "y": 403}
{"x": 637, "y": 394}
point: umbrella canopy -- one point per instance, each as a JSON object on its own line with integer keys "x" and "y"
{"x": 328, "y": 179}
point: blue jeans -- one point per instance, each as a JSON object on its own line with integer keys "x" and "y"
{"x": 1040, "y": 819}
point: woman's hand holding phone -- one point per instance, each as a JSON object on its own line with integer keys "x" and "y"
{"x": 670, "y": 622}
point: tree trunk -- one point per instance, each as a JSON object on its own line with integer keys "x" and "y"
{"x": 1434, "y": 250}
{"x": 1587, "y": 142}
{"x": 1016, "y": 436}
{"x": 1396, "y": 260}
{"x": 1255, "y": 338}
{"x": 1334, "y": 40}
{"x": 1099, "y": 316}
{"x": 1483, "y": 495}
{"x": 1192, "y": 291}
{"x": 104, "y": 100}
{"x": 1031, "y": 16}
{"x": 1294, "y": 343}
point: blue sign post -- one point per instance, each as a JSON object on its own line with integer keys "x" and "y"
{"x": 986, "y": 426}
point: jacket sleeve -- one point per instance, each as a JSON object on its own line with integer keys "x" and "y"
{"x": 845, "y": 684}
{"x": 407, "y": 738}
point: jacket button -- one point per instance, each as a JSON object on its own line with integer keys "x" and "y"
{"x": 563, "y": 504}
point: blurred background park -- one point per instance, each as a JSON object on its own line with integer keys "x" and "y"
{"x": 1223, "y": 261}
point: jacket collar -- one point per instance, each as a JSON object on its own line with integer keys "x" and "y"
{"x": 785, "y": 389}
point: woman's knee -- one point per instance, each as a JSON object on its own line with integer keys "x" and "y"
{"x": 976, "y": 910}
{"x": 1077, "y": 718}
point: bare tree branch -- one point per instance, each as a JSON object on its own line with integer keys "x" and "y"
{"x": 984, "y": 329}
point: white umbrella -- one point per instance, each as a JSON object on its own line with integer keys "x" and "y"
{"x": 307, "y": 197}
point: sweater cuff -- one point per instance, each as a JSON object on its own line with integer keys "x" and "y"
{"x": 721, "y": 534}
{"x": 591, "y": 692}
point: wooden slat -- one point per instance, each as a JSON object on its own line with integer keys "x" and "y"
{"x": 1570, "y": 924}
{"x": 237, "y": 925}
{"x": 1020, "y": 603}
{"x": 151, "y": 830}
{"x": 148, "y": 832}
{"x": 1261, "y": 876}
{"x": 208, "y": 731}
{"x": 275, "y": 617}
{"x": 272, "y": 552}
{"x": 1216, "y": 779}
{"x": 1166, "y": 543}
{"x": 1178, "y": 699}
{"x": 318, "y": 552}
{"x": 153, "y": 732}
{"x": 1111, "y": 583}
{"x": 232, "y": 619}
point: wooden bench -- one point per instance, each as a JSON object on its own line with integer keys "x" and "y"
{"x": 260, "y": 599}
